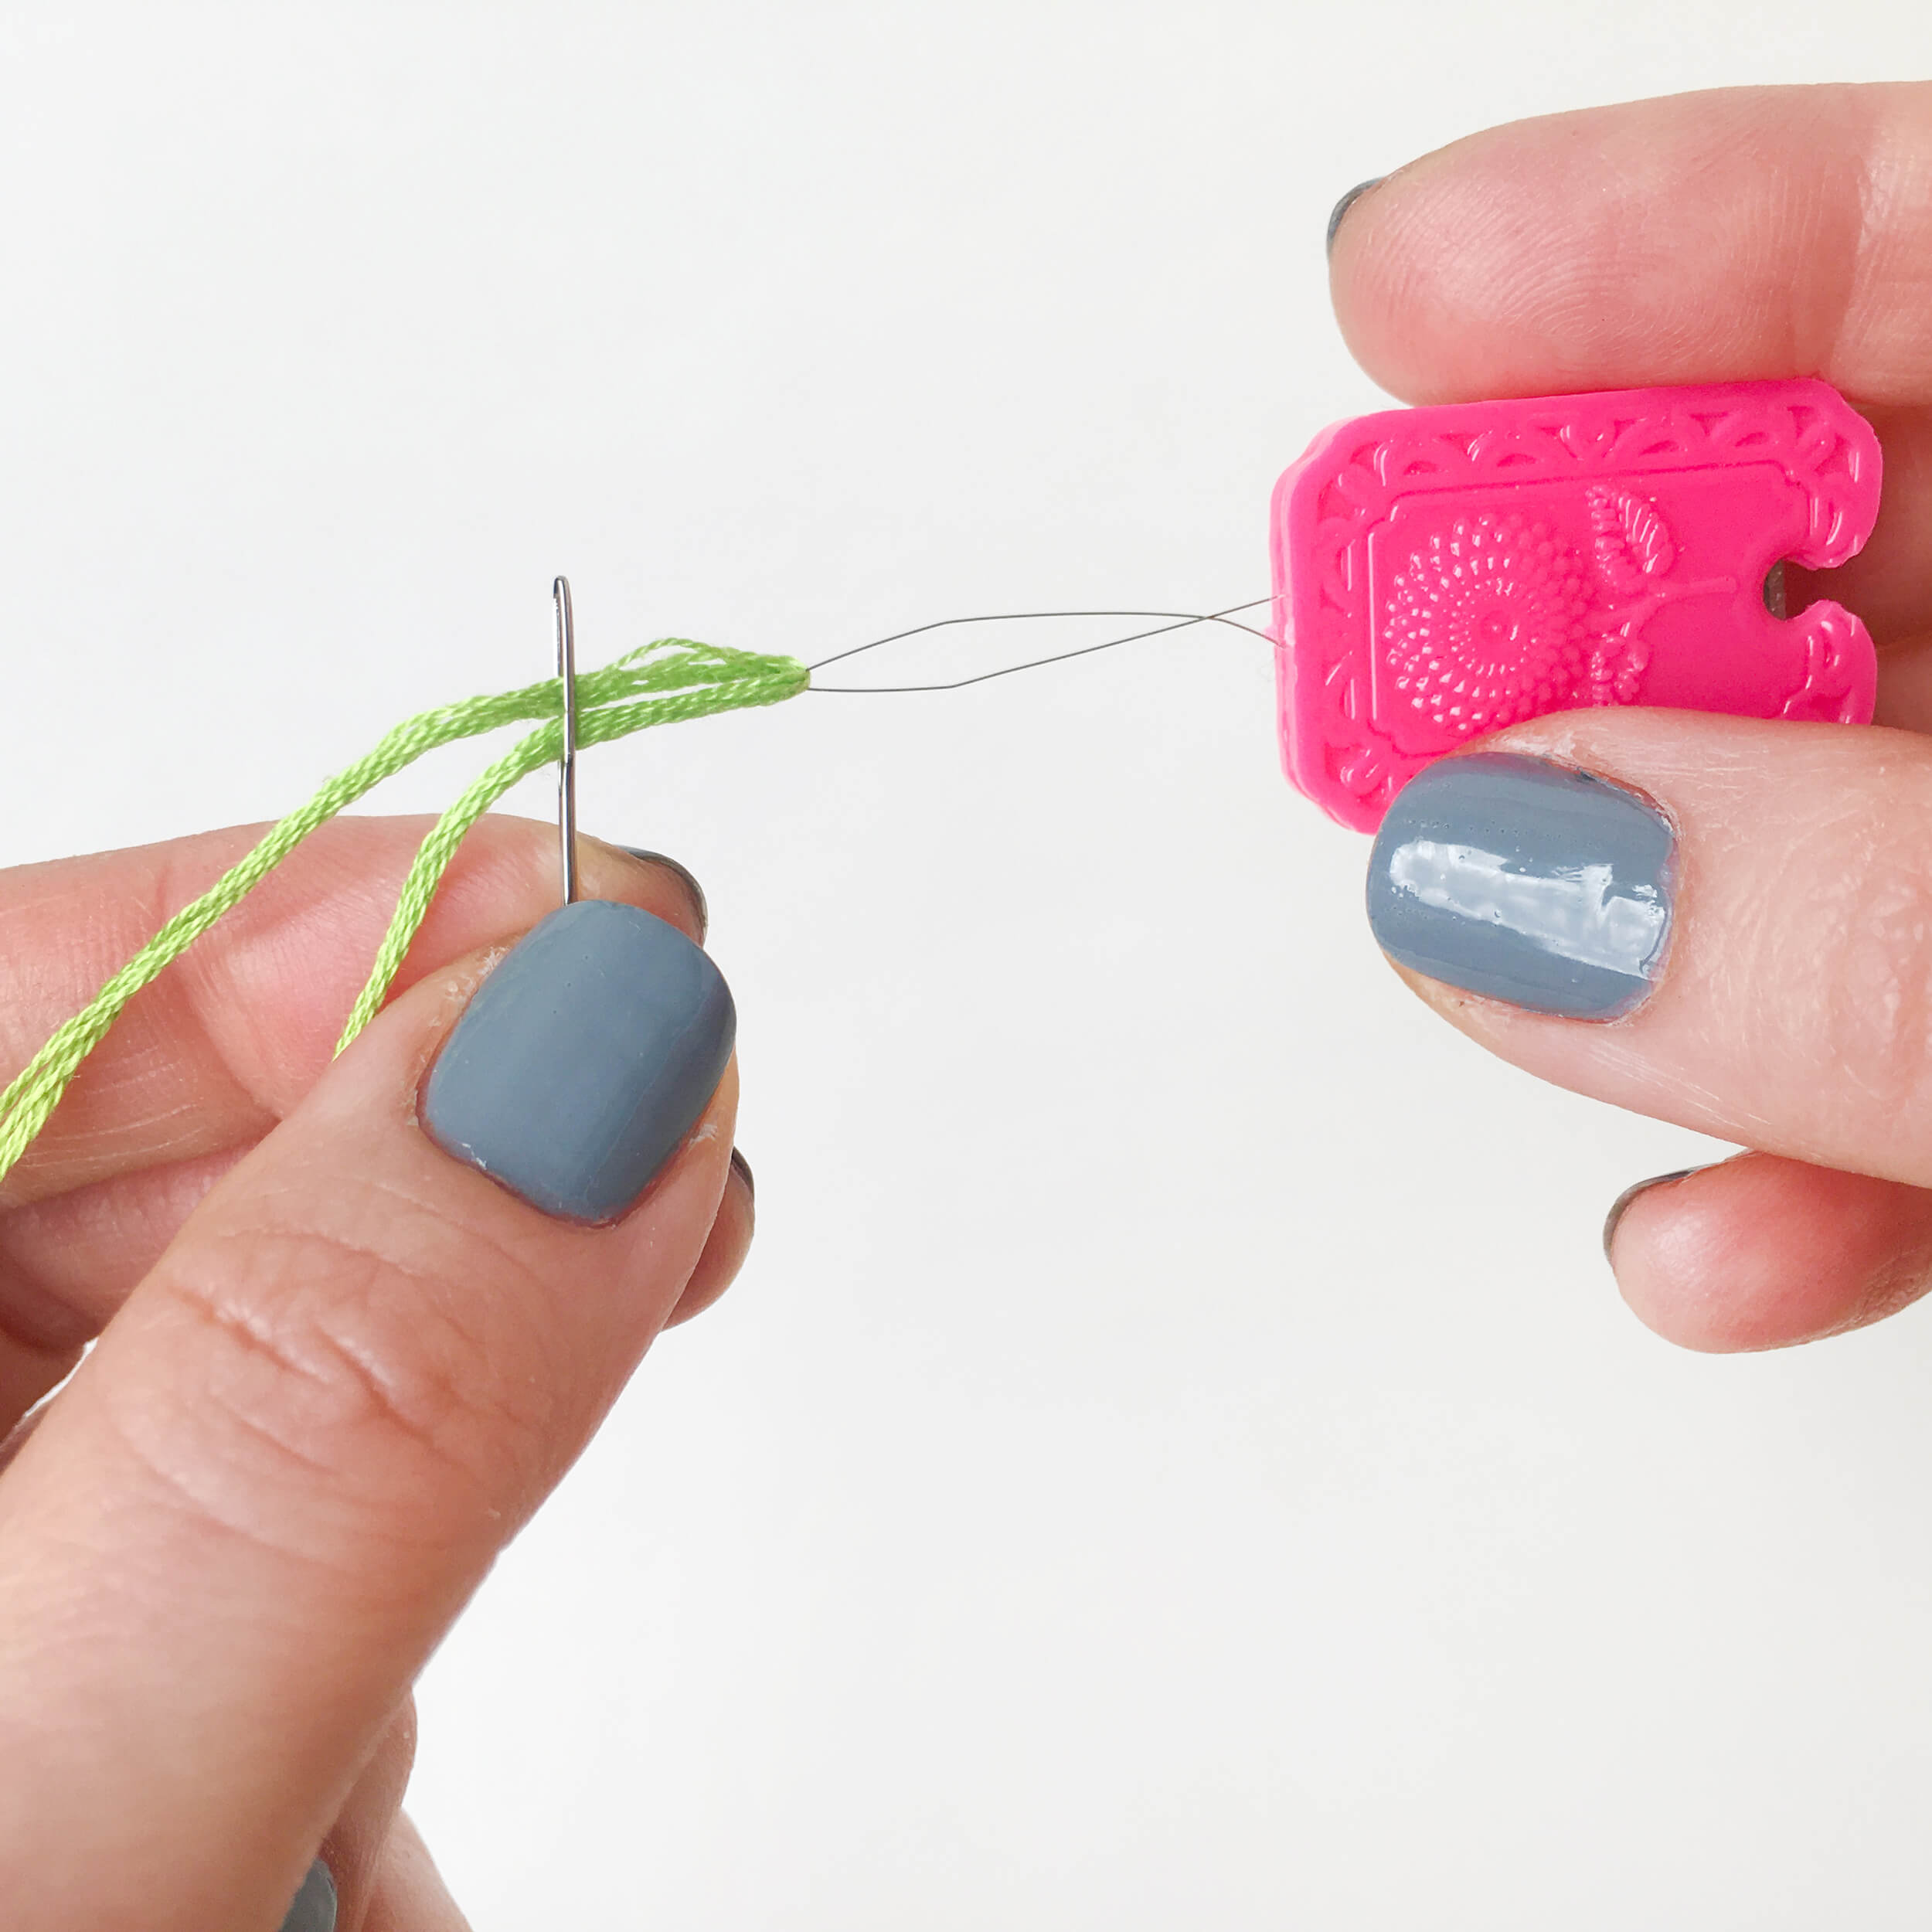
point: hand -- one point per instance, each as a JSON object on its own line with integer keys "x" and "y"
{"x": 337, "y": 1367}
{"x": 1711, "y": 237}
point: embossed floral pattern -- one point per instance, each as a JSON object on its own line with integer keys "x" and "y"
{"x": 1617, "y": 469}
{"x": 1488, "y": 623}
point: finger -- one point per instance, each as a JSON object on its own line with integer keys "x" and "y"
{"x": 355, "y": 1852}
{"x": 241, "y": 1528}
{"x": 204, "y": 1060}
{"x": 1905, "y": 686}
{"x": 1707, "y": 237}
{"x": 28, "y": 1370}
{"x": 409, "y": 1895}
{"x": 66, "y": 1263}
{"x": 232, "y": 1034}
{"x": 1747, "y": 904}
{"x": 1758, "y": 1253}
{"x": 725, "y": 1251}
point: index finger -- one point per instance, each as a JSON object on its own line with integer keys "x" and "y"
{"x": 1710, "y": 237}
{"x": 1752, "y": 232}
{"x": 211, "y": 1055}
{"x": 205, "y": 1060}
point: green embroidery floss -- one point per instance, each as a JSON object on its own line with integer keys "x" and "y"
{"x": 660, "y": 683}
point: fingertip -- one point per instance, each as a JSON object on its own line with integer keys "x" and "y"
{"x": 1684, "y": 1271}
{"x": 1675, "y": 1267}
{"x": 725, "y": 1250}
{"x": 684, "y": 882}
{"x": 1339, "y": 212}
{"x": 1400, "y": 258}
{"x": 1759, "y": 1252}
{"x": 314, "y": 1906}
{"x": 1619, "y": 1207}
{"x": 583, "y": 1062}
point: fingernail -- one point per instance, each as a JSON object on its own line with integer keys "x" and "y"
{"x": 744, "y": 1170}
{"x": 583, "y": 1060}
{"x": 1524, "y": 882}
{"x": 685, "y": 878}
{"x": 1619, "y": 1206}
{"x": 1347, "y": 202}
{"x": 314, "y": 1907}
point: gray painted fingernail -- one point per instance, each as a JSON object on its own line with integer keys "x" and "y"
{"x": 744, "y": 1170}
{"x": 1347, "y": 202}
{"x": 583, "y": 1060}
{"x": 1623, "y": 1201}
{"x": 1525, "y": 881}
{"x": 314, "y": 1909}
{"x": 685, "y": 878}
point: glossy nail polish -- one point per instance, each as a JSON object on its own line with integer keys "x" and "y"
{"x": 583, "y": 1060}
{"x": 1525, "y": 881}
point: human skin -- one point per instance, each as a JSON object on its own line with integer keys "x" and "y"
{"x": 1707, "y": 238}
{"x": 232, "y": 1542}
{"x": 337, "y": 1370}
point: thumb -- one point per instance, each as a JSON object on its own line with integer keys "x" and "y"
{"x": 297, "y": 1450}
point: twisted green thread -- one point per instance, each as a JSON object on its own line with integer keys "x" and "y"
{"x": 660, "y": 683}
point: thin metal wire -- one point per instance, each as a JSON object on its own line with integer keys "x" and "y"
{"x": 567, "y": 770}
{"x": 1183, "y": 619}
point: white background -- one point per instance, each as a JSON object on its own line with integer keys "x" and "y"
{"x": 1176, "y": 1456}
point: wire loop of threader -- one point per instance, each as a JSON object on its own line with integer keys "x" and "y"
{"x": 1182, "y": 619}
